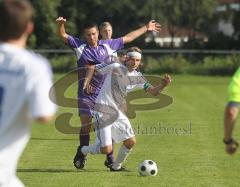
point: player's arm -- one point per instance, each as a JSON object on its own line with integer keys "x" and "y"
{"x": 150, "y": 26}
{"x": 89, "y": 74}
{"x": 155, "y": 90}
{"x": 99, "y": 68}
{"x": 61, "y": 29}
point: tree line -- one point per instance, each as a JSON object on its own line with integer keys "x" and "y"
{"x": 125, "y": 15}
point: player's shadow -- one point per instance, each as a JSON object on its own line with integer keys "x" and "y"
{"x": 45, "y": 170}
{"x": 51, "y": 170}
{"x": 55, "y": 139}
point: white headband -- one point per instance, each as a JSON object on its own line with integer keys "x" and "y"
{"x": 134, "y": 54}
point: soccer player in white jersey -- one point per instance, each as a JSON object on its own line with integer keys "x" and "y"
{"x": 119, "y": 81}
{"x": 25, "y": 80}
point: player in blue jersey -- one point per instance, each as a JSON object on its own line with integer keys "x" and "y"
{"x": 93, "y": 50}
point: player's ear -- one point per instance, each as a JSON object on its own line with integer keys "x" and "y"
{"x": 97, "y": 32}
{"x": 29, "y": 28}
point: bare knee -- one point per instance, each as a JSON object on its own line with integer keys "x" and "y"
{"x": 129, "y": 143}
{"x": 106, "y": 149}
{"x": 231, "y": 112}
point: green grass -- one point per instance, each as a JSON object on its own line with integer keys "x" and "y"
{"x": 193, "y": 158}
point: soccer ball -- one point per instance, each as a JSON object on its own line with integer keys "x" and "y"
{"x": 148, "y": 168}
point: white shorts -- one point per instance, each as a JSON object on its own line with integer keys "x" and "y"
{"x": 8, "y": 162}
{"x": 118, "y": 131}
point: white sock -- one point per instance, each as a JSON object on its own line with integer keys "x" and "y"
{"x": 122, "y": 156}
{"x": 92, "y": 149}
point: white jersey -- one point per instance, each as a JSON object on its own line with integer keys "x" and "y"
{"x": 111, "y": 102}
{"x": 25, "y": 80}
{"x": 118, "y": 82}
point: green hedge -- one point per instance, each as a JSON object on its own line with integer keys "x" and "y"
{"x": 177, "y": 64}
{"x": 63, "y": 63}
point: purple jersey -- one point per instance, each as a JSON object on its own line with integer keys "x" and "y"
{"x": 92, "y": 55}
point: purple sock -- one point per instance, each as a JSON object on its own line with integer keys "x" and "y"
{"x": 84, "y": 140}
{"x": 110, "y": 156}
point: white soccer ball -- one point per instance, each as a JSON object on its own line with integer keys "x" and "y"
{"x": 148, "y": 168}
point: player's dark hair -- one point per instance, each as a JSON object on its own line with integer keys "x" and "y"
{"x": 14, "y": 17}
{"x": 89, "y": 25}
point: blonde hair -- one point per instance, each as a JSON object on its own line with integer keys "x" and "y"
{"x": 104, "y": 24}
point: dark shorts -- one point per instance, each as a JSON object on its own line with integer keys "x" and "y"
{"x": 85, "y": 107}
{"x": 233, "y": 104}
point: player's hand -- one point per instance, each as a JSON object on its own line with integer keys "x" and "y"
{"x": 164, "y": 82}
{"x": 61, "y": 20}
{"x": 167, "y": 79}
{"x": 153, "y": 26}
{"x": 89, "y": 89}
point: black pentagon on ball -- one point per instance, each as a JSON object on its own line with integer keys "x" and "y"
{"x": 143, "y": 168}
{"x": 153, "y": 172}
{"x": 150, "y": 162}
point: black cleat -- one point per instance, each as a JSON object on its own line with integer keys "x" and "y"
{"x": 108, "y": 164}
{"x": 79, "y": 160}
{"x": 118, "y": 170}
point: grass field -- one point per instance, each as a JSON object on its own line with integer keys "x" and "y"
{"x": 195, "y": 157}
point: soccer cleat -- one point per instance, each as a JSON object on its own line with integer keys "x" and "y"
{"x": 79, "y": 160}
{"x": 231, "y": 146}
{"x": 118, "y": 170}
{"x": 108, "y": 163}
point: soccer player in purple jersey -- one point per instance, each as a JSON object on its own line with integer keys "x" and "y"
{"x": 93, "y": 50}
{"x": 106, "y": 30}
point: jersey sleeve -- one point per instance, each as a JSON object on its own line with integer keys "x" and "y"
{"x": 39, "y": 102}
{"x": 137, "y": 80}
{"x": 115, "y": 44}
{"x": 106, "y": 68}
{"x": 74, "y": 42}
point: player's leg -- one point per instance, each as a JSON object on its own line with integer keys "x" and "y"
{"x": 110, "y": 157}
{"x": 96, "y": 149}
{"x": 84, "y": 137}
{"x": 123, "y": 153}
{"x": 103, "y": 143}
{"x": 122, "y": 132}
{"x": 230, "y": 116}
